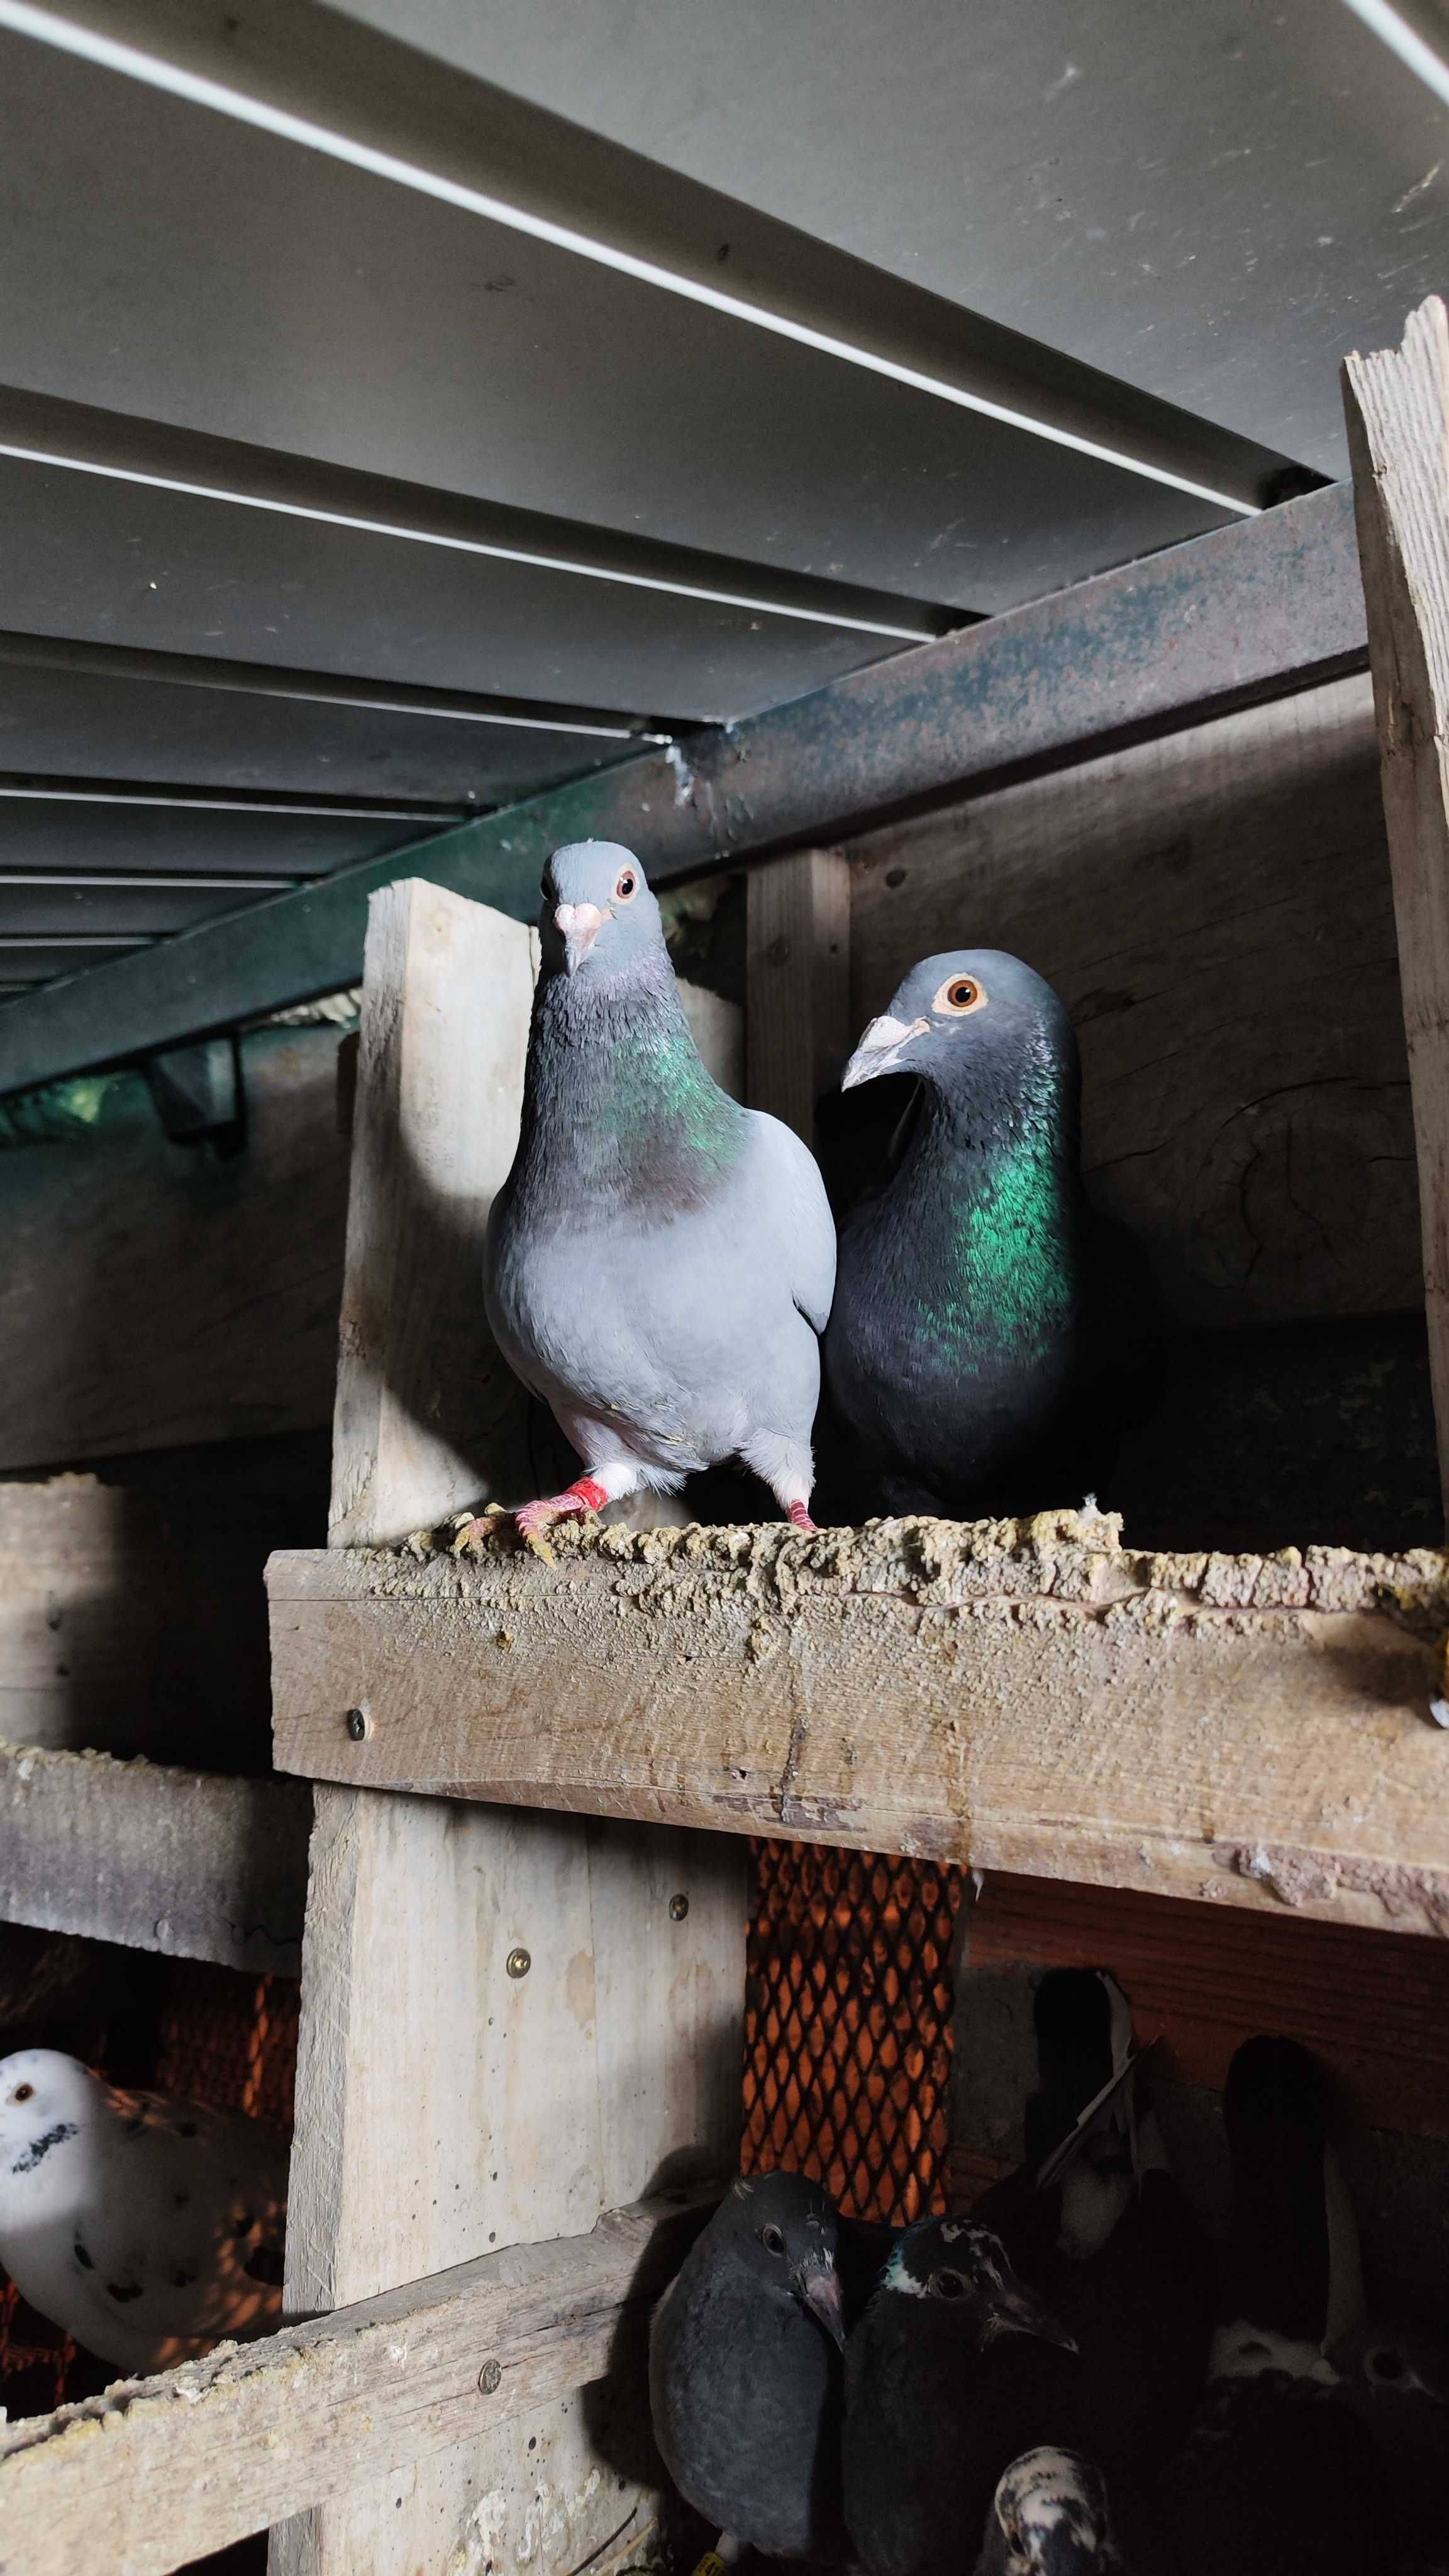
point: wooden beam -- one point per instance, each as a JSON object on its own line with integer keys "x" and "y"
{"x": 157, "y": 2472}
{"x": 1027, "y": 1696}
{"x": 797, "y": 999}
{"x": 1250, "y": 612}
{"x": 184, "y": 1862}
{"x": 1397, "y": 404}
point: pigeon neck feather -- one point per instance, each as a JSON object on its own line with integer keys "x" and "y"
{"x": 995, "y": 1178}
{"x": 618, "y": 1101}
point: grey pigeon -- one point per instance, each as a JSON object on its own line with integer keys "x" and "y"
{"x": 955, "y": 2369}
{"x": 1050, "y": 2516}
{"x": 660, "y": 1260}
{"x": 744, "y": 2370}
{"x": 974, "y": 1356}
{"x": 148, "y": 2228}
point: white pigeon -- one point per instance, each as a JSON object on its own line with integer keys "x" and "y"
{"x": 149, "y": 2229}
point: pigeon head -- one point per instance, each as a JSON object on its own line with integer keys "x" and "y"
{"x": 598, "y": 917}
{"x": 961, "y": 2268}
{"x": 1049, "y": 2517}
{"x": 781, "y": 2226}
{"x": 45, "y": 2099}
{"x": 965, "y": 1021}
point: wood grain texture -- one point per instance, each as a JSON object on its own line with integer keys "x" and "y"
{"x": 428, "y": 1413}
{"x": 1023, "y": 1696}
{"x": 797, "y": 966}
{"x": 1397, "y": 405}
{"x": 183, "y": 1862}
{"x": 1215, "y": 910}
{"x": 157, "y": 2471}
{"x": 152, "y": 1296}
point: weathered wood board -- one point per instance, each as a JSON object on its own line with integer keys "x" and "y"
{"x": 1216, "y": 911}
{"x": 183, "y": 1862}
{"x": 1023, "y": 1696}
{"x": 157, "y": 2471}
{"x": 797, "y": 967}
{"x": 151, "y": 1295}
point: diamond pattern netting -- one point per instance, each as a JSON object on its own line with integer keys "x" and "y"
{"x": 848, "y": 2012}
{"x": 209, "y": 2033}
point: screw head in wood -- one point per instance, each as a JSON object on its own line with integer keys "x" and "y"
{"x": 519, "y": 1961}
{"x": 356, "y": 1723}
{"x": 490, "y": 2377}
{"x": 678, "y": 1908}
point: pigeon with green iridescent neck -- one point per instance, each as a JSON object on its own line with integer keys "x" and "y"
{"x": 959, "y": 1350}
{"x": 660, "y": 1260}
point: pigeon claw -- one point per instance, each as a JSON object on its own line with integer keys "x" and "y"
{"x": 534, "y": 1518}
{"x": 799, "y": 1515}
{"x": 471, "y": 1528}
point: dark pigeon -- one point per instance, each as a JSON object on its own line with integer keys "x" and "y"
{"x": 1051, "y": 2516}
{"x": 985, "y": 1324}
{"x": 660, "y": 1260}
{"x": 745, "y": 2374}
{"x": 1097, "y": 2225}
{"x": 953, "y": 2372}
{"x": 1280, "y": 2477}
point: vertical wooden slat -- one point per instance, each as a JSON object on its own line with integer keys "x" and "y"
{"x": 445, "y": 2105}
{"x": 797, "y": 1007}
{"x": 1397, "y": 404}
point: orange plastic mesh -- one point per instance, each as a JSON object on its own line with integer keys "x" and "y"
{"x": 848, "y": 2017}
{"x": 222, "y": 2038}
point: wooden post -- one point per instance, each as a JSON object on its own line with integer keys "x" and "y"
{"x": 1397, "y": 402}
{"x": 797, "y": 1006}
{"x": 505, "y": 2027}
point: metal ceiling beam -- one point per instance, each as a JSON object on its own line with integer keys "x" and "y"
{"x": 298, "y": 70}
{"x": 1247, "y": 613}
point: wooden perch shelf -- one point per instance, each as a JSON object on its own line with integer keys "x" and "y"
{"x": 156, "y": 2470}
{"x": 1028, "y": 1696}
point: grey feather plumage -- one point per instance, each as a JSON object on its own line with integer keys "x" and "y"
{"x": 660, "y": 1261}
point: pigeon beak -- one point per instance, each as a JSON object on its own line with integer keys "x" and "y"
{"x": 880, "y": 1049}
{"x": 1009, "y": 2307}
{"x": 578, "y": 926}
{"x": 818, "y": 2285}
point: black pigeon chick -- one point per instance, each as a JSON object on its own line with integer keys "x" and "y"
{"x": 744, "y": 2370}
{"x": 1279, "y": 2477}
{"x": 1095, "y": 2222}
{"x": 1050, "y": 2516}
{"x": 955, "y": 2369}
{"x": 982, "y": 1318}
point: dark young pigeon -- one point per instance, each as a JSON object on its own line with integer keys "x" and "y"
{"x": 659, "y": 1261}
{"x": 1280, "y": 2477}
{"x": 744, "y": 2370}
{"x": 1050, "y": 2516}
{"x": 970, "y": 1349}
{"x": 955, "y": 2369}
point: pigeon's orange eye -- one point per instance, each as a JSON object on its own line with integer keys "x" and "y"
{"x": 959, "y": 994}
{"x": 22, "y": 2093}
{"x": 772, "y": 2240}
{"x": 626, "y": 887}
{"x": 947, "y": 2285}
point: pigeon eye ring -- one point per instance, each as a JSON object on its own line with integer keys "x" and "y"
{"x": 772, "y": 2240}
{"x": 947, "y": 2285}
{"x": 958, "y": 995}
{"x": 23, "y": 2093}
{"x": 626, "y": 886}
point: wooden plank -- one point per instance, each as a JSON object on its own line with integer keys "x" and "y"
{"x": 797, "y": 968}
{"x": 152, "y": 1296}
{"x": 1397, "y": 405}
{"x": 184, "y": 1862}
{"x": 1024, "y": 1696}
{"x": 447, "y": 2103}
{"x": 429, "y": 1416}
{"x": 1215, "y": 910}
{"x": 1250, "y": 612}
{"x": 157, "y": 2471}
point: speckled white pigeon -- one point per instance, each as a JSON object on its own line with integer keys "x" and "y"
{"x": 149, "y": 2229}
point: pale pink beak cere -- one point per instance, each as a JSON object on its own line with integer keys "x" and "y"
{"x": 578, "y": 925}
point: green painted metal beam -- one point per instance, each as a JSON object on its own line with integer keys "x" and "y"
{"x": 1249, "y": 612}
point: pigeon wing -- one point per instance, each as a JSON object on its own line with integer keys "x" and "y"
{"x": 793, "y": 1204}
{"x": 185, "y": 2237}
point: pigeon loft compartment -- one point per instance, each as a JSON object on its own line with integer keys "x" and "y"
{"x": 536, "y": 1780}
